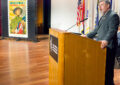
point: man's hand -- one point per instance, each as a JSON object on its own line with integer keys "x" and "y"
{"x": 83, "y": 35}
{"x": 104, "y": 44}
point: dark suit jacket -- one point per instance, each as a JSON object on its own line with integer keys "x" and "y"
{"x": 118, "y": 37}
{"x": 107, "y": 29}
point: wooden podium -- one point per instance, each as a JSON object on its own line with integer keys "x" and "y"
{"x": 75, "y": 60}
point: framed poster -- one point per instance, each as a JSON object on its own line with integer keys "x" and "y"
{"x": 17, "y": 18}
{"x": 24, "y": 27}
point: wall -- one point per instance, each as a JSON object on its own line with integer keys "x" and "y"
{"x": 64, "y": 14}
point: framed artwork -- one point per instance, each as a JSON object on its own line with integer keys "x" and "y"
{"x": 17, "y": 18}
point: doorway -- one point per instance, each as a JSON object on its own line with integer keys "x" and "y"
{"x": 43, "y": 16}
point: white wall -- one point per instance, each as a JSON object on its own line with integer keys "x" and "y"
{"x": 64, "y": 13}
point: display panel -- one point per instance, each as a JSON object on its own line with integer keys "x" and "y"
{"x": 17, "y": 18}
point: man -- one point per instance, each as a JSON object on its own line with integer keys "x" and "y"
{"x": 106, "y": 33}
{"x": 15, "y": 22}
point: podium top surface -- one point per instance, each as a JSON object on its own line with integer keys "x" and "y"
{"x": 62, "y": 31}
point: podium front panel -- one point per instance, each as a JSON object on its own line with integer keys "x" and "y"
{"x": 84, "y": 61}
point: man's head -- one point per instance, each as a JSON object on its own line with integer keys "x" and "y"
{"x": 17, "y": 11}
{"x": 104, "y": 6}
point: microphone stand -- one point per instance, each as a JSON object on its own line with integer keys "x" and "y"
{"x": 75, "y": 24}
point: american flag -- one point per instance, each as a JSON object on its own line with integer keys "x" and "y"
{"x": 80, "y": 15}
{"x": 79, "y": 12}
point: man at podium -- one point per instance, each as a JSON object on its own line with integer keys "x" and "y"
{"x": 106, "y": 33}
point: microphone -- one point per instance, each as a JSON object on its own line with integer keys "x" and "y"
{"x": 75, "y": 24}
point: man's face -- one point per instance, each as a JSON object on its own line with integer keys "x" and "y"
{"x": 18, "y": 12}
{"x": 103, "y": 7}
{"x": 119, "y": 28}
